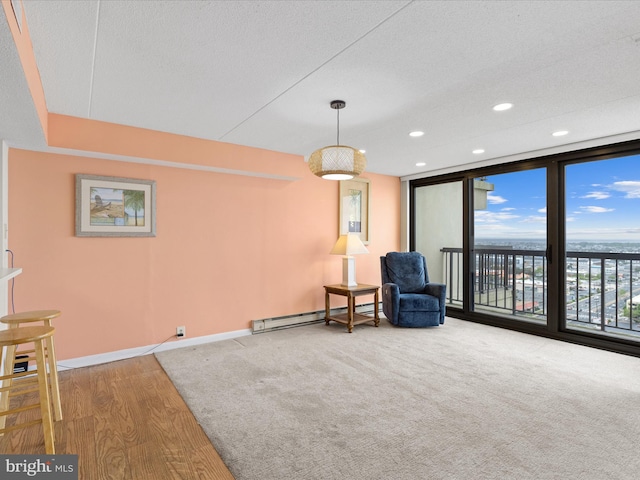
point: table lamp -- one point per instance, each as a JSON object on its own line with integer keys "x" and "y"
{"x": 348, "y": 245}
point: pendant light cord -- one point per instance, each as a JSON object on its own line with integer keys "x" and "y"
{"x": 338, "y": 134}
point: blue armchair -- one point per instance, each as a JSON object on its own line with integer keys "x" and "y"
{"x": 408, "y": 298}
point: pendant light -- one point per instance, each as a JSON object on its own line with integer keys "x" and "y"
{"x": 337, "y": 162}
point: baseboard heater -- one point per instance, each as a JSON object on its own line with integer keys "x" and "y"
{"x": 298, "y": 320}
{"x": 18, "y": 366}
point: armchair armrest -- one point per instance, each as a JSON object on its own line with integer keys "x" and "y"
{"x": 438, "y": 290}
{"x": 391, "y": 301}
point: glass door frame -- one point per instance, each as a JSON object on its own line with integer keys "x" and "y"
{"x": 556, "y": 246}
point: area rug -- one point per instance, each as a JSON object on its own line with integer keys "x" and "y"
{"x": 459, "y": 401}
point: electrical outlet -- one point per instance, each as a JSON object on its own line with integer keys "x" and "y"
{"x": 181, "y": 331}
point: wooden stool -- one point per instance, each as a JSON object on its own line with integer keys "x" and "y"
{"x": 45, "y": 316}
{"x": 10, "y": 339}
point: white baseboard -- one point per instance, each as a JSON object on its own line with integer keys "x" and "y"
{"x": 298, "y": 320}
{"x": 137, "y": 351}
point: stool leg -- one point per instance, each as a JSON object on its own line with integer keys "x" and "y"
{"x": 9, "y": 360}
{"x": 45, "y": 401}
{"x": 53, "y": 375}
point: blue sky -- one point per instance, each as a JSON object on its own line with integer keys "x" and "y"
{"x": 107, "y": 194}
{"x": 602, "y": 198}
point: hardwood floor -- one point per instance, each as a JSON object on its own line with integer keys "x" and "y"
{"x": 126, "y": 421}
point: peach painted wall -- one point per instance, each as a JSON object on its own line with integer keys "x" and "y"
{"x": 111, "y": 138}
{"x": 229, "y": 249}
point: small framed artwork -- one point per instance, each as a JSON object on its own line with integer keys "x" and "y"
{"x": 115, "y": 207}
{"x": 354, "y": 207}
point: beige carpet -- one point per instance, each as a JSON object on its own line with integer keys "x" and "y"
{"x": 461, "y": 401}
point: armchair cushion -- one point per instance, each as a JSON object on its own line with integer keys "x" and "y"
{"x": 407, "y": 270}
{"x": 417, "y": 302}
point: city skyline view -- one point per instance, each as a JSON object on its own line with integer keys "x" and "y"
{"x": 602, "y": 203}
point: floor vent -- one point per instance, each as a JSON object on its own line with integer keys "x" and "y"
{"x": 289, "y": 321}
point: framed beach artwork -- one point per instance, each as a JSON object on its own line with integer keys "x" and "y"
{"x": 115, "y": 207}
{"x": 354, "y": 207}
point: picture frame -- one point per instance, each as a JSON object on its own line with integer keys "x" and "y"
{"x": 115, "y": 207}
{"x": 354, "y": 208}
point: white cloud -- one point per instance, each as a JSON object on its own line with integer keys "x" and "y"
{"x": 597, "y": 195}
{"x": 485, "y": 216}
{"x": 507, "y": 209}
{"x": 630, "y": 187}
{"x": 535, "y": 219}
{"x": 495, "y": 199}
{"x": 502, "y": 231}
{"x": 496, "y": 227}
{"x": 542, "y": 210}
{"x": 593, "y": 209}
{"x": 603, "y": 233}
{"x": 571, "y": 219}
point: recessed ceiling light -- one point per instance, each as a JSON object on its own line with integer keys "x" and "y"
{"x": 416, "y": 133}
{"x": 478, "y": 151}
{"x": 420, "y": 164}
{"x": 560, "y": 133}
{"x": 501, "y": 107}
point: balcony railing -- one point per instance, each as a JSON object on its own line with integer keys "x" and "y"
{"x": 602, "y": 289}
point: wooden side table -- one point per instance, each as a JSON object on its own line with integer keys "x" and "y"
{"x": 351, "y": 318}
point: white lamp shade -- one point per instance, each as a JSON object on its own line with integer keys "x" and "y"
{"x": 349, "y": 244}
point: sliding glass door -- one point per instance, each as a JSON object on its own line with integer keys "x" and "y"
{"x": 509, "y": 250}
{"x": 549, "y": 246}
{"x": 602, "y": 261}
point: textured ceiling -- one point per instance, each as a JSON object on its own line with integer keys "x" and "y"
{"x": 19, "y": 121}
{"x": 262, "y": 73}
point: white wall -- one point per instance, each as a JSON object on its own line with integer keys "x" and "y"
{"x": 438, "y": 224}
{"x": 404, "y": 216}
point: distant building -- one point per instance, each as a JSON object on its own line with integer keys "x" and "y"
{"x": 635, "y": 300}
